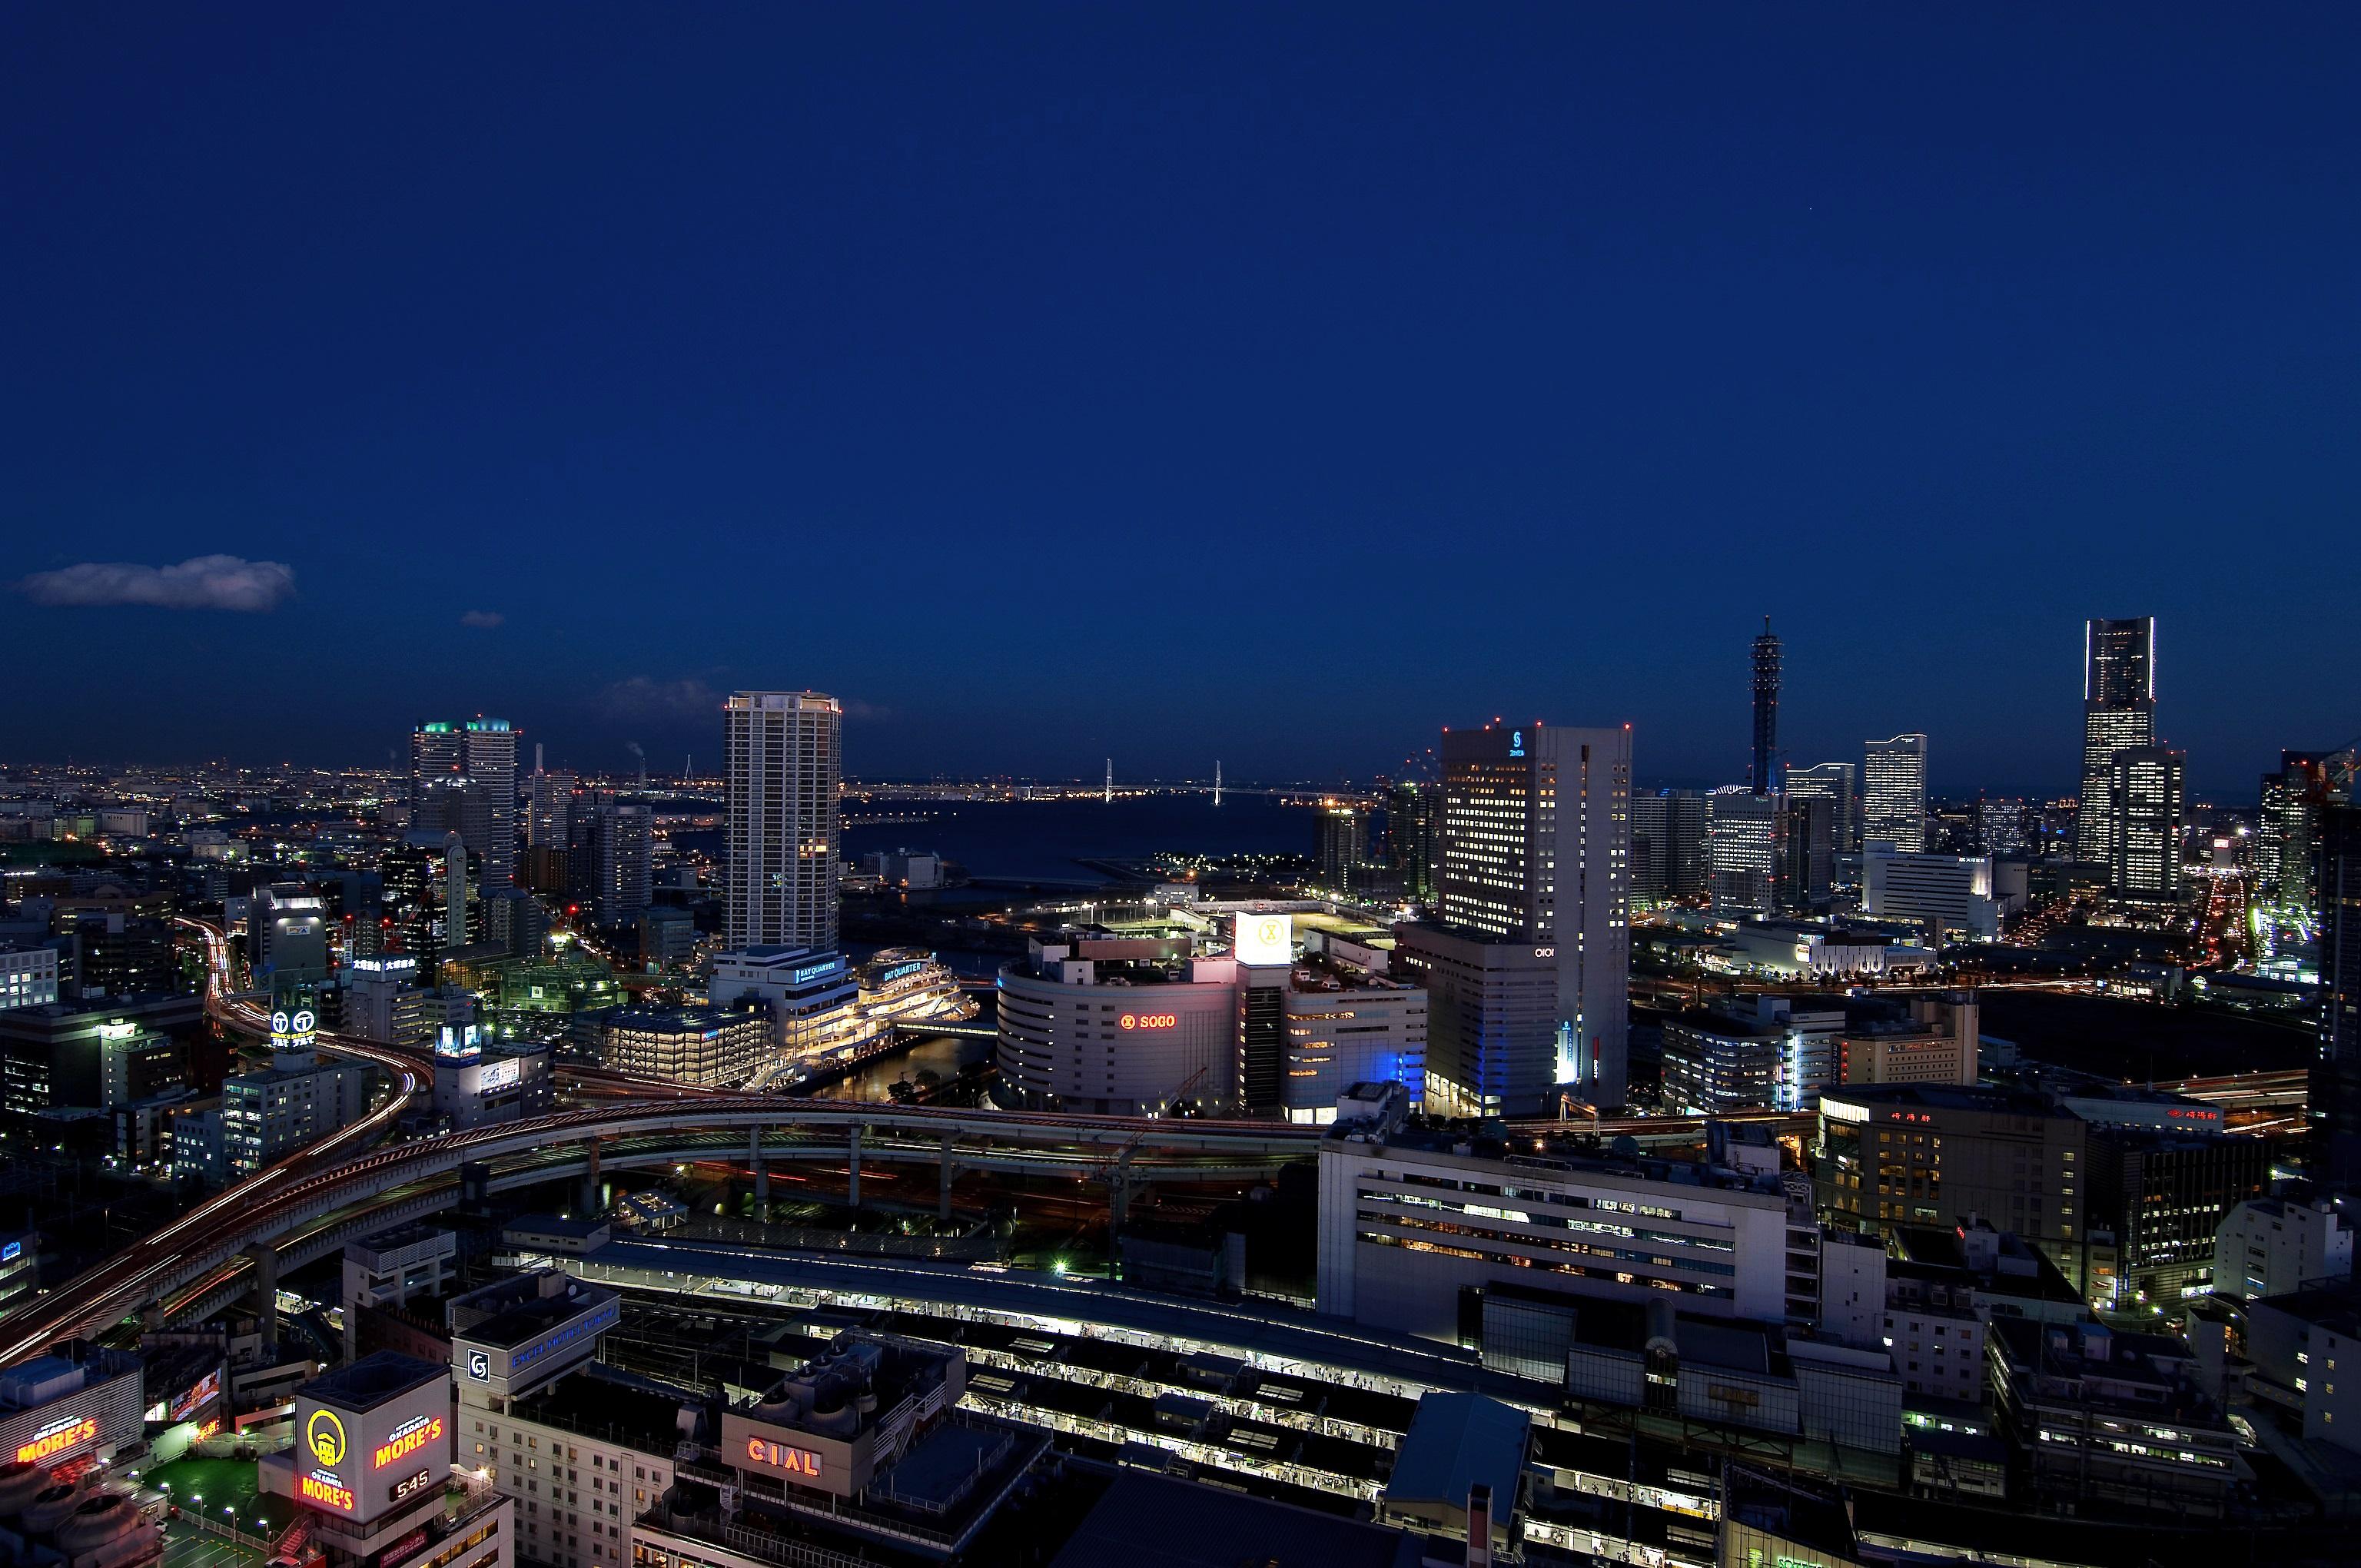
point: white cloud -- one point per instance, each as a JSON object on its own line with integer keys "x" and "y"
{"x": 483, "y": 620}
{"x": 660, "y": 701}
{"x": 201, "y": 582}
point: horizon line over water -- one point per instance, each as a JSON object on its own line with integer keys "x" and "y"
{"x": 1045, "y": 839}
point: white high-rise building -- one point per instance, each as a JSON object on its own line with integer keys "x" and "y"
{"x": 1950, "y": 895}
{"x": 1836, "y": 784}
{"x": 2118, "y": 715}
{"x": 482, "y": 751}
{"x": 2145, "y": 799}
{"x": 1535, "y": 847}
{"x": 783, "y": 763}
{"x": 1743, "y": 849}
{"x": 1893, "y": 792}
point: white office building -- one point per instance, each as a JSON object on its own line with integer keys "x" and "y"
{"x": 785, "y": 760}
{"x": 585, "y": 1454}
{"x": 1407, "y": 1218}
{"x": 1536, "y": 848}
{"x": 1893, "y": 792}
{"x": 1742, "y": 850}
{"x": 269, "y": 1113}
{"x": 1948, "y": 895}
{"x": 2272, "y": 1246}
{"x": 1838, "y": 785}
{"x": 2146, "y": 800}
{"x": 29, "y": 977}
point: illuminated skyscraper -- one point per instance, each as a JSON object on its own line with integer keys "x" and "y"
{"x": 484, "y": 752}
{"x": 1765, "y": 777}
{"x": 1834, "y": 783}
{"x": 2287, "y": 859}
{"x": 784, "y": 765}
{"x": 1535, "y": 848}
{"x": 2335, "y": 1090}
{"x": 2118, "y": 713}
{"x": 1744, "y": 850}
{"x": 2145, "y": 794}
{"x": 1893, "y": 792}
{"x": 1343, "y": 847}
{"x": 1410, "y": 826}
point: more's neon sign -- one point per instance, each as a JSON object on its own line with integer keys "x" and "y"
{"x": 407, "y": 1439}
{"x": 327, "y": 1491}
{"x": 57, "y": 1438}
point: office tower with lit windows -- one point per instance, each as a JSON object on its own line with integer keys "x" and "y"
{"x": 482, "y": 752}
{"x": 1893, "y": 792}
{"x": 552, "y": 799}
{"x": 1765, "y": 776}
{"x": 432, "y": 898}
{"x": 2145, "y": 794}
{"x": 1807, "y": 853}
{"x": 784, "y": 760}
{"x": 1834, "y": 783}
{"x": 2335, "y": 1100}
{"x": 2000, "y": 826}
{"x": 1745, "y": 845}
{"x": 1342, "y": 846}
{"x": 1668, "y": 845}
{"x": 1413, "y": 810}
{"x": 625, "y": 846}
{"x": 2118, "y": 714}
{"x": 2286, "y": 860}
{"x": 1535, "y": 850}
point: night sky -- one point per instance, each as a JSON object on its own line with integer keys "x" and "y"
{"x": 1269, "y": 384}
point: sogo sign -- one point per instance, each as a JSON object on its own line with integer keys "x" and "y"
{"x": 1148, "y": 1020}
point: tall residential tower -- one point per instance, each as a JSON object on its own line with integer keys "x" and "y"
{"x": 784, "y": 766}
{"x": 2118, "y": 714}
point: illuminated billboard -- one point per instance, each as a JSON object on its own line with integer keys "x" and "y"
{"x": 501, "y": 1074}
{"x": 1264, "y": 939}
{"x": 56, "y": 1437}
{"x": 197, "y": 1395}
{"x": 362, "y": 1442}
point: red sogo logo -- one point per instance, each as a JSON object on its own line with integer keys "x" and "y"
{"x": 1148, "y": 1020}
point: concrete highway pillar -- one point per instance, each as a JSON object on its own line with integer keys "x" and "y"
{"x": 590, "y": 1204}
{"x": 943, "y": 1202}
{"x": 1119, "y": 1194}
{"x": 265, "y": 1296}
{"x": 762, "y": 1174}
{"x": 853, "y": 1155}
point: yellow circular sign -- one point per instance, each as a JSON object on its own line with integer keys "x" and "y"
{"x": 325, "y": 1435}
{"x": 1269, "y": 934}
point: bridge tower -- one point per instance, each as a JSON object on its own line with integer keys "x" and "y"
{"x": 1109, "y": 796}
{"x": 1217, "y": 781}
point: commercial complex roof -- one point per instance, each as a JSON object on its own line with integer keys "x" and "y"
{"x": 1455, "y": 1442}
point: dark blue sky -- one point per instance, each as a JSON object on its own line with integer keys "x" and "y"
{"x": 1273, "y": 386}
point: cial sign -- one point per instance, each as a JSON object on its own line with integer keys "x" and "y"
{"x": 779, "y": 1456}
{"x": 1148, "y": 1020}
{"x": 1263, "y": 939}
{"x": 479, "y": 1364}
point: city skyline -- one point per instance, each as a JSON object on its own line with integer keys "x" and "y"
{"x": 1151, "y": 289}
